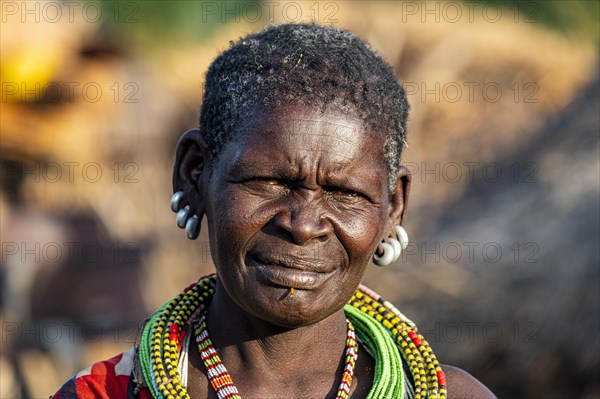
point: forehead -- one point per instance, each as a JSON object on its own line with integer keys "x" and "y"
{"x": 307, "y": 132}
{"x": 303, "y": 144}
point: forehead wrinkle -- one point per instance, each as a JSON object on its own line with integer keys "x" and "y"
{"x": 330, "y": 155}
{"x": 325, "y": 142}
{"x": 338, "y": 124}
{"x": 347, "y": 130}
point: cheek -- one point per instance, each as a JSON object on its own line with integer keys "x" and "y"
{"x": 360, "y": 233}
{"x": 235, "y": 218}
{"x": 359, "y": 236}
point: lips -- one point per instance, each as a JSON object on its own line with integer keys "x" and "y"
{"x": 291, "y": 271}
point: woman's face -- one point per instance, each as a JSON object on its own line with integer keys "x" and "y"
{"x": 299, "y": 200}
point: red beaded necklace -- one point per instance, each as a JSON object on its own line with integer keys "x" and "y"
{"x": 223, "y": 384}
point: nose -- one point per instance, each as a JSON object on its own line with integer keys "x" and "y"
{"x": 305, "y": 220}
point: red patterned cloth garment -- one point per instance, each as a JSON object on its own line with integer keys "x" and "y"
{"x": 109, "y": 379}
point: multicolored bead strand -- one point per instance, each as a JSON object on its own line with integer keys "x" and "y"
{"x": 349, "y": 363}
{"x": 215, "y": 369}
{"x": 223, "y": 384}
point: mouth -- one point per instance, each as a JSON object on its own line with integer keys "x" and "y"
{"x": 291, "y": 272}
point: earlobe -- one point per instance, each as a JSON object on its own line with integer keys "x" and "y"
{"x": 190, "y": 171}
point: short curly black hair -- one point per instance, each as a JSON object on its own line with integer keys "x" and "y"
{"x": 307, "y": 63}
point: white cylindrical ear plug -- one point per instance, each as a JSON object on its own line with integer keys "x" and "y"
{"x": 192, "y": 227}
{"x": 176, "y": 201}
{"x": 182, "y": 217}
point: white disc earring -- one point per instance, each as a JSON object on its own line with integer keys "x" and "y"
{"x": 402, "y": 236}
{"x": 397, "y": 247}
{"x": 392, "y": 247}
{"x": 387, "y": 257}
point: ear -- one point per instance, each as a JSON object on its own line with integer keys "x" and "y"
{"x": 400, "y": 195}
{"x": 190, "y": 172}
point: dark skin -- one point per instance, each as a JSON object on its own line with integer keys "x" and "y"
{"x": 298, "y": 200}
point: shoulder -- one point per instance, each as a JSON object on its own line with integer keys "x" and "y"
{"x": 463, "y": 385}
{"x": 106, "y": 379}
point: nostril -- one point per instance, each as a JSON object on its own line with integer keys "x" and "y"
{"x": 308, "y": 226}
{"x": 280, "y": 225}
{"x": 322, "y": 238}
{"x": 283, "y": 220}
{"x": 303, "y": 222}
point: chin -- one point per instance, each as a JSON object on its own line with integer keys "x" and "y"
{"x": 290, "y": 323}
{"x": 289, "y": 312}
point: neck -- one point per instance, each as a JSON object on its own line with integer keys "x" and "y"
{"x": 249, "y": 343}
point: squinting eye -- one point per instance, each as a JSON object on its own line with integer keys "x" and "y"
{"x": 265, "y": 180}
{"x": 344, "y": 193}
{"x": 348, "y": 193}
{"x": 275, "y": 182}
{"x": 264, "y": 183}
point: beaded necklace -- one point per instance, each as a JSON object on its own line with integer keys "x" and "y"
{"x": 386, "y": 332}
{"x": 223, "y": 384}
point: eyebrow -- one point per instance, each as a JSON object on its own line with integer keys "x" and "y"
{"x": 242, "y": 166}
{"x": 332, "y": 176}
{"x": 354, "y": 182}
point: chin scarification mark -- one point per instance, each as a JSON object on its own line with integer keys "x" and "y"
{"x": 287, "y": 293}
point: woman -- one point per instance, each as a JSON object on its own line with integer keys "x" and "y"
{"x": 296, "y": 167}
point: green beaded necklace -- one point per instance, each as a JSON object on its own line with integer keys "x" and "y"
{"x": 389, "y": 378}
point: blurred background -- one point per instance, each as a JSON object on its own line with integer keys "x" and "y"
{"x": 502, "y": 274}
